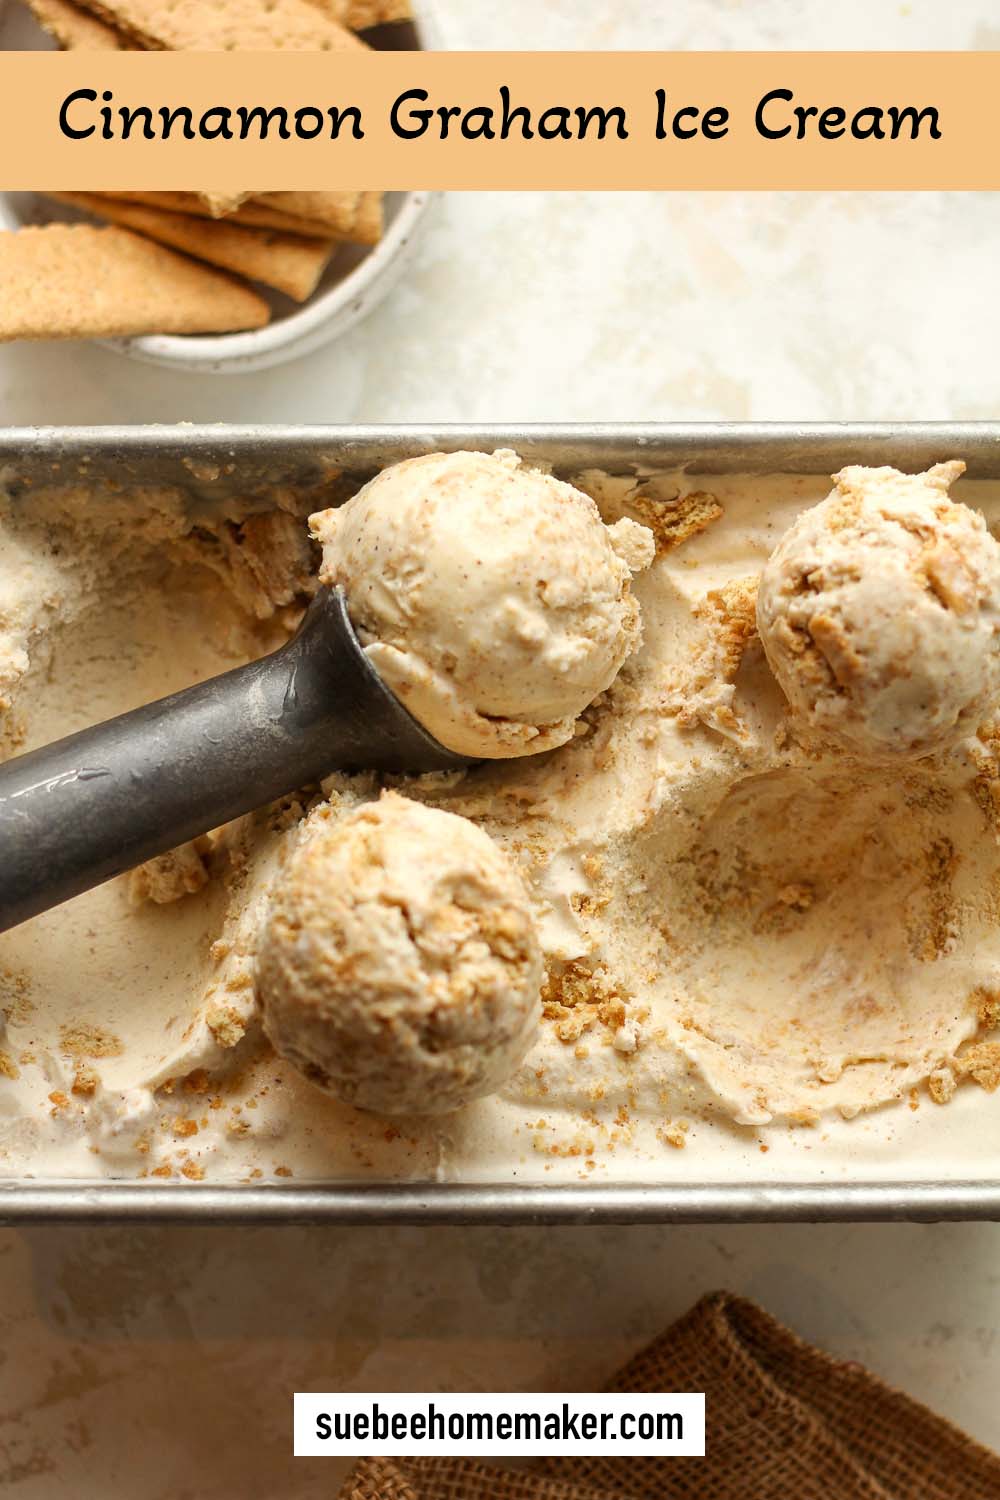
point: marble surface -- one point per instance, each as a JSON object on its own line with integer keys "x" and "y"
{"x": 159, "y": 1364}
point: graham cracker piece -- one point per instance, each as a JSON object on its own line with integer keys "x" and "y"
{"x": 980, "y": 1061}
{"x": 289, "y": 264}
{"x": 88, "y": 1039}
{"x": 656, "y": 501}
{"x": 941, "y": 1085}
{"x": 226, "y": 1025}
{"x": 705, "y": 694}
{"x": 172, "y": 876}
{"x": 75, "y": 281}
{"x": 254, "y": 214}
{"x": 220, "y": 203}
{"x": 732, "y": 610}
{"x": 360, "y": 14}
{"x": 987, "y": 1000}
{"x": 86, "y": 1081}
{"x": 74, "y": 29}
{"x": 576, "y": 997}
{"x": 352, "y": 216}
{"x": 226, "y": 25}
{"x": 673, "y": 522}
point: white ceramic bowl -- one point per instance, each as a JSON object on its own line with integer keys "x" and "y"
{"x": 355, "y": 281}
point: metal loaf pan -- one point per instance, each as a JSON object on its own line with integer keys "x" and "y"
{"x": 213, "y": 463}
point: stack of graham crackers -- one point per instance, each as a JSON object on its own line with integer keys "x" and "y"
{"x": 185, "y": 262}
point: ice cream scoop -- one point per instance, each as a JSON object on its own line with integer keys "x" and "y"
{"x": 492, "y": 606}
{"x": 399, "y": 967}
{"x": 879, "y": 613}
{"x": 95, "y": 804}
{"x": 490, "y": 597}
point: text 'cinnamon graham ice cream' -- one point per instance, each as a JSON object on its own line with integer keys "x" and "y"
{"x": 399, "y": 967}
{"x": 879, "y": 611}
{"x": 490, "y": 597}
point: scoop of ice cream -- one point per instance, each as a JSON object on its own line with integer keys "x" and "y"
{"x": 879, "y": 611}
{"x": 490, "y": 598}
{"x": 399, "y": 967}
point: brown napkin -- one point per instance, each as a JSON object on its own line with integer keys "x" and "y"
{"x": 783, "y": 1422}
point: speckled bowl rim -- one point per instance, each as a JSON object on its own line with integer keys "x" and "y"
{"x": 322, "y": 319}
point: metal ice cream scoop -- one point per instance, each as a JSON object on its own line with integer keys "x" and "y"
{"x": 87, "y": 808}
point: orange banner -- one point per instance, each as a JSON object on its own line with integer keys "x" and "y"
{"x": 499, "y": 120}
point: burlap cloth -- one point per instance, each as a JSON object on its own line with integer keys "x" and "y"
{"x": 783, "y": 1422}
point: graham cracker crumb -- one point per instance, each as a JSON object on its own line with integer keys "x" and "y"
{"x": 14, "y": 988}
{"x": 87, "y": 1039}
{"x": 987, "y": 1002}
{"x": 192, "y": 1171}
{"x": 792, "y": 900}
{"x": 981, "y": 1062}
{"x": 85, "y": 1081}
{"x": 226, "y": 1025}
{"x": 171, "y": 876}
{"x": 575, "y": 997}
{"x": 8, "y": 1067}
{"x": 941, "y": 1085}
{"x": 675, "y": 1134}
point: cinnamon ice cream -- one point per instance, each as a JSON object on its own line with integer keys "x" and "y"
{"x": 490, "y": 597}
{"x": 750, "y": 941}
{"x": 398, "y": 965}
{"x": 879, "y": 611}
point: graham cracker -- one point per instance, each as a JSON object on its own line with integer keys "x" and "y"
{"x": 352, "y": 216}
{"x": 289, "y": 264}
{"x": 360, "y": 14}
{"x": 74, "y": 281}
{"x": 74, "y": 29}
{"x": 253, "y": 213}
{"x": 221, "y": 203}
{"x": 226, "y": 25}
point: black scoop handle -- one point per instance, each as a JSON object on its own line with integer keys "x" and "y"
{"x": 77, "y": 812}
